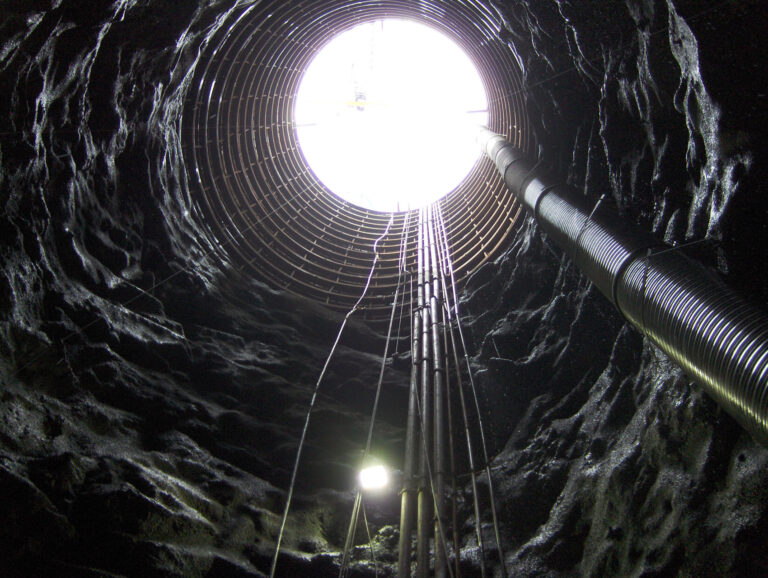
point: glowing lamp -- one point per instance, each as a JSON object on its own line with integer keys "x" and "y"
{"x": 374, "y": 477}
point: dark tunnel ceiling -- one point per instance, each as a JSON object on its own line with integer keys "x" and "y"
{"x": 269, "y": 213}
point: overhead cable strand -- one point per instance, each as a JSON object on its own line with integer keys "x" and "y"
{"x": 438, "y": 380}
{"x": 404, "y": 237}
{"x": 481, "y": 427}
{"x": 400, "y": 324}
{"x": 451, "y": 448}
{"x": 351, "y": 531}
{"x": 355, "y": 514}
{"x": 445, "y": 318}
{"x": 424, "y": 511}
{"x": 315, "y": 393}
{"x": 467, "y": 435}
{"x": 408, "y": 497}
{"x": 402, "y": 269}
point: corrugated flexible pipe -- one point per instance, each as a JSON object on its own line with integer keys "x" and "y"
{"x": 719, "y": 339}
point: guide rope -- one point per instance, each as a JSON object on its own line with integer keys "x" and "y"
{"x": 402, "y": 260}
{"x": 315, "y": 393}
{"x": 467, "y": 434}
{"x": 473, "y": 388}
{"x": 356, "y": 511}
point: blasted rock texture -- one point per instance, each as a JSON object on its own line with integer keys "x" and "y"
{"x": 613, "y": 461}
{"x": 152, "y": 400}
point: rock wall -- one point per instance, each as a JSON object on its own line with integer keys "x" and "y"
{"x": 611, "y": 461}
{"x": 152, "y": 399}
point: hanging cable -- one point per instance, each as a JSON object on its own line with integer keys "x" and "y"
{"x": 451, "y": 449}
{"x": 477, "y": 409}
{"x": 427, "y": 496}
{"x": 445, "y": 316}
{"x": 468, "y": 437}
{"x": 424, "y": 513}
{"x": 438, "y": 384}
{"x": 355, "y": 514}
{"x": 315, "y": 393}
{"x": 399, "y": 325}
{"x": 403, "y": 261}
{"x": 404, "y": 241}
{"x": 471, "y": 457}
{"x": 481, "y": 426}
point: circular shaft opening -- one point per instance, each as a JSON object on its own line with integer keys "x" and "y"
{"x": 385, "y": 115}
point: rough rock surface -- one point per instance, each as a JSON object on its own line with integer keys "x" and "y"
{"x": 152, "y": 401}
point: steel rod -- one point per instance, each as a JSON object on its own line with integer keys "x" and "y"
{"x": 480, "y": 426}
{"x": 444, "y": 317}
{"x": 351, "y": 531}
{"x": 467, "y": 437}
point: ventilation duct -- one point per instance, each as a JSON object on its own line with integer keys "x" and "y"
{"x": 713, "y": 334}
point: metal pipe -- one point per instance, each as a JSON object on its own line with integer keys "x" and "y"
{"x": 714, "y": 335}
{"x": 424, "y": 517}
{"x": 408, "y": 500}
{"x": 438, "y": 373}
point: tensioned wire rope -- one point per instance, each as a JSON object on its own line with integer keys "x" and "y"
{"x": 451, "y": 312}
{"x": 366, "y": 453}
{"x": 435, "y": 222}
{"x": 314, "y": 399}
{"x": 429, "y": 217}
{"x": 451, "y": 441}
{"x": 444, "y": 266}
{"x": 468, "y": 438}
{"x": 481, "y": 428}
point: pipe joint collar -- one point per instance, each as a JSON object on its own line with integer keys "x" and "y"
{"x": 506, "y": 156}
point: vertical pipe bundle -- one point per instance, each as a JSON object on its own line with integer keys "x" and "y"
{"x": 427, "y": 405}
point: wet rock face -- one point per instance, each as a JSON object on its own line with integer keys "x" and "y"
{"x": 611, "y": 462}
{"x": 152, "y": 400}
{"x": 641, "y": 101}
